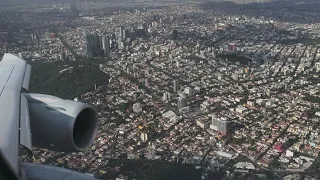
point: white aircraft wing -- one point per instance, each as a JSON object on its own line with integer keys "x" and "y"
{"x": 14, "y": 117}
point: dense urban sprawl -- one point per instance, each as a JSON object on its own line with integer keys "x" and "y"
{"x": 187, "y": 84}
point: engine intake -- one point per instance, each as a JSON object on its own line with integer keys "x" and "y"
{"x": 61, "y": 125}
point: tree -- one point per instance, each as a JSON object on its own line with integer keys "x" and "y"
{"x": 275, "y": 164}
{"x": 80, "y": 78}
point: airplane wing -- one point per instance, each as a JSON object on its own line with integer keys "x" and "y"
{"x": 38, "y": 120}
{"x": 15, "y": 76}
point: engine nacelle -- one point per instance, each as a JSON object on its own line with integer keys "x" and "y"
{"x": 61, "y": 125}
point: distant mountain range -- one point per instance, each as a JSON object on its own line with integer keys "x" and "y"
{"x": 26, "y": 2}
{"x": 15, "y": 2}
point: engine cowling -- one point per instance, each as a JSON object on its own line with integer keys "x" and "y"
{"x": 61, "y": 125}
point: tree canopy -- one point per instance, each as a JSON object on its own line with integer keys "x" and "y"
{"x": 77, "y": 79}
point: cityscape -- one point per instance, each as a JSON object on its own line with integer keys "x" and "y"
{"x": 229, "y": 88}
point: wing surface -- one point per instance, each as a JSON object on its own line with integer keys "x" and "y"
{"x": 14, "y": 75}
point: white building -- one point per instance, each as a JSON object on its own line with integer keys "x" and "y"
{"x": 202, "y": 124}
{"x": 144, "y": 137}
{"x": 244, "y": 165}
{"x": 235, "y": 76}
{"x": 241, "y": 109}
{"x": 197, "y": 90}
{"x": 188, "y": 91}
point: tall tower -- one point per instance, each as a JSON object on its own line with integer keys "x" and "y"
{"x": 182, "y": 102}
{"x": 222, "y": 125}
{"x": 125, "y": 33}
{"x": 96, "y": 45}
{"x": 121, "y": 30}
{"x": 165, "y": 96}
{"x": 175, "y": 34}
{"x": 176, "y": 85}
{"x": 89, "y": 46}
{"x": 74, "y": 9}
{"x": 106, "y": 46}
{"x": 10, "y": 36}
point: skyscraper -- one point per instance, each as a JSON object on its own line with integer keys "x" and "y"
{"x": 141, "y": 33}
{"x": 121, "y": 29}
{"x": 89, "y": 45}
{"x": 125, "y": 33}
{"x": 10, "y": 36}
{"x": 96, "y": 45}
{"x": 165, "y": 96}
{"x": 182, "y": 102}
{"x": 176, "y": 85}
{"x": 74, "y": 9}
{"x": 156, "y": 17}
{"x": 175, "y": 34}
{"x": 145, "y": 25}
{"x": 106, "y": 46}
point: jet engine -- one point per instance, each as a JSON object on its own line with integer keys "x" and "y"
{"x": 61, "y": 125}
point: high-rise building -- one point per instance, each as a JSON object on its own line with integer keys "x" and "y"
{"x": 121, "y": 45}
{"x": 156, "y": 17}
{"x": 10, "y": 36}
{"x": 182, "y": 102}
{"x": 144, "y": 137}
{"x": 145, "y": 25}
{"x": 74, "y": 9}
{"x": 121, "y": 29}
{"x": 96, "y": 45}
{"x": 89, "y": 45}
{"x": 47, "y": 35}
{"x": 175, "y": 34}
{"x": 165, "y": 96}
{"x": 141, "y": 33}
{"x": 176, "y": 85}
{"x": 132, "y": 29}
{"x": 169, "y": 95}
{"x": 92, "y": 45}
{"x": 125, "y": 33}
{"x": 188, "y": 91}
{"x": 220, "y": 124}
{"x": 106, "y": 45}
{"x": 113, "y": 44}
{"x": 21, "y": 55}
{"x": 5, "y": 47}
